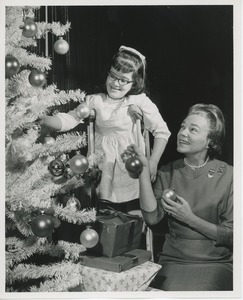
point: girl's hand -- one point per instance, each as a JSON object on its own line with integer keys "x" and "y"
{"x": 153, "y": 169}
{"x": 179, "y": 209}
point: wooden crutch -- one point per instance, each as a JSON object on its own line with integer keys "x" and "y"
{"x": 149, "y": 232}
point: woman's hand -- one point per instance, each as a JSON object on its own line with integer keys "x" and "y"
{"x": 153, "y": 169}
{"x": 179, "y": 209}
{"x": 134, "y": 150}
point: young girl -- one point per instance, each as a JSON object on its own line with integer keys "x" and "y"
{"x": 115, "y": 128}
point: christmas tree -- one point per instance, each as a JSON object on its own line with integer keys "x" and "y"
{"x": 39, "y": 167}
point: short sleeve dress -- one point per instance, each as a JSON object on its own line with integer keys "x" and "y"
{"x": 191, "y": 261}
{"x": 114, "y": 131}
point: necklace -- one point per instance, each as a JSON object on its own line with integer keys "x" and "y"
{"x": 196, "y": 167}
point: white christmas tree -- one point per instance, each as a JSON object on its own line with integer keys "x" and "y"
{"x": 37, "y": 165}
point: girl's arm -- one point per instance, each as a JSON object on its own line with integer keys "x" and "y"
{"x": 51, "y": 122}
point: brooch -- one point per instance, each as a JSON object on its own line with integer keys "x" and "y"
{"x": 211, "y": 173}
{"x": 221, "y": 170}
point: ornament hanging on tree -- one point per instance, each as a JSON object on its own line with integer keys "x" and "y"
{"x": 73, "y": 203}
{"x": 42, "y": 225}
{"x": 30, "y": 28}
{"x": 49, "y": 140}
{"x": 64, "y": 157}
{"x": 11, "y": 65}
{"x": 56, "y": 167}
{"x": 79, "y": 163}
{"x": 61, "y": 46}
{"x": 37, "y": 78}
{"x": 89, "y": 238}
{"x": 83, "y": 111}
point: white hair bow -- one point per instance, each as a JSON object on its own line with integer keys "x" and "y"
{"x": 133, "y": 51}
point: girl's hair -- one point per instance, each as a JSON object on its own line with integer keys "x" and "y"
{"x": 128, "y": 61}
{"x": 217, "y": 126}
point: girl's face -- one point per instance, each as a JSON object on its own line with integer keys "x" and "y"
{"x": 118, "y": 84}
{"x": 192, "y": 138}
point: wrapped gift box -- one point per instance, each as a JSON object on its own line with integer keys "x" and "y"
{"x": 118, "y": 263}
{"x": 118, "y": 233}
{"x": 134, "y": 279}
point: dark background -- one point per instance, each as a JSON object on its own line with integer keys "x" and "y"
{"x": 189, "y": 53}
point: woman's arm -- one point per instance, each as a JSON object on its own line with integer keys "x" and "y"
{"x": 221, "y": 234}
{"x": 148, "y": 203}
{"x": 158, "y": 150}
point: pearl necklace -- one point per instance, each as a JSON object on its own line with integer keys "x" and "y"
{"x": 196, "y": 167}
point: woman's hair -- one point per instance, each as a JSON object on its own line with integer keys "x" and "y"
{"x": 217, "y": 126}
{"x": 127, "y": 61}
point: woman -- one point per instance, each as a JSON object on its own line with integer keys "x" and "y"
{"x": 197, "y": 252}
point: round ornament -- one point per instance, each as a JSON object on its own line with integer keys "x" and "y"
{"x": 37, "y": 78}
{"x": 89, "y": 237}
{"x": 79, "y": 164}
{"x": 134, "y": 165}
{"x": 169, "y": 194}
{"x": 61, "y": 46}
{"x": 42, "y": 225}
{"x": 83, "y": 111}
{"x": 134, "y": 175}
{"x": 30, "y": 28}
{"x": 56, "y": 167}
{"x": 73, "y": 203}
{"x": 11, "y": 65}
{"x": 49, "y": 140}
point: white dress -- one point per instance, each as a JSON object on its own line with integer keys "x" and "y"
{"x": 114, "y": 131}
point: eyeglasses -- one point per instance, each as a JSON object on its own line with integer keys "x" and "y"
{"x": 121, "y": 81}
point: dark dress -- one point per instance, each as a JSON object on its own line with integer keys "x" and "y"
{"x": 191, "y": 261}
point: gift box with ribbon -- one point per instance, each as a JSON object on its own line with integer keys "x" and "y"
{"x": 118, "y": 233}
{"x": 118, "y": 263}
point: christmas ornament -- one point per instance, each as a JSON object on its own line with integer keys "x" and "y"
{"x": 73, "y": 203}
{"x": 11, "y": 65}
{"x": 134, "y": 165}
{"x": 64, "y": 199}
{"x": 30, "y": 28}
{"x": 37, "y": 78}
{"x": 49, "y": 140}
{"x": 42, "y": 225}
{"x": 83, "y": 111}
{"x": 170, "y": 194}
{"x": 79, "y": 163}
{"x": 64, "y": 158}
{"x": 61, "y": 46}
{"x": 68, "y": 173}
{"x": 134, "y": 175}
{"x": 89, "y": 237}
{"x": 37, "y": 127}
{"x": 56, "y": 167}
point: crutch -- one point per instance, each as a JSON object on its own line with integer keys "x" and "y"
{"x": 148, "y": 231}
{"x": 91, "y": 150}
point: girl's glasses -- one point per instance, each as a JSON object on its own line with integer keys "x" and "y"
{"x": 121, "y": 81}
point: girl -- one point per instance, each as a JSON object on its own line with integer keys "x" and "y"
{"x": 115, "y": 128}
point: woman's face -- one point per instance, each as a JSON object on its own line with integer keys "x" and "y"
{"x": 192, "y": 138}
{"x": 118, "y": 84}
